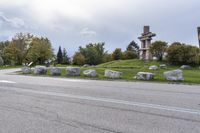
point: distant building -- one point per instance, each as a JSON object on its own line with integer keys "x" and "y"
{"x": 145, "y": 39}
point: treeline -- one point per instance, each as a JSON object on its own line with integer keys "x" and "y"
{"x": 94, "y": 54}
{"x": 62, "y": 57}
{"x": 26, "y": 48}
{"x": 176, "y": 53}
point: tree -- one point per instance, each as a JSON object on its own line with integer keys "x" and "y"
{"x": 129, "y": 55}
{"x": 17, "y": 49}
{"x": 25, "y": 48}
{"x": 3, "y": 46}
{"x": 93, "y": 53}
{"x": 133, "y": 46}
{"x": 40, "y": 51}
{"x": 1, "y": 61}
{"x": 107, "y": 58}
{"x": 78, "y": 59}
{"x": 22, "y": 42}
{"x": 180, "y": 53}
{"x": 65, "y": 57}
{"x": 132, "y": 51}
{"x": 59, "y": 56}
{"x": 158, "y": 48}
{"x": 117, "y": 54}
{"x": 11, "y": 53}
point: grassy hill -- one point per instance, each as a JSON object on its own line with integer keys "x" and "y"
{"x": 191, "y": 76}
{"x": 130, "y": 63}
{"x": 131, "y": 67}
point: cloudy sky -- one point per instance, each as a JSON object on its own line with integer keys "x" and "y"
{"x": 71, "y": 23}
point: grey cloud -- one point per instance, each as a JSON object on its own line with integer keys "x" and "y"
{"x": 13, "y": 22}
{"x": 117, "y": 26}
{"x": 87, "y": 32}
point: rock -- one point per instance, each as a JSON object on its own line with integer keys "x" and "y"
{"x": 175, "y": 75}
{"x": 153, "y": 67}
{"x": 163, "y": 66}
{"x": 73, "y": 71}
{"x": 55, "y": 71}
{"x": 39, "y": 70}
{"x": 113, "y": 74}
{"x": 90, "y": 73}
{"x": 26, "y": 70}
{"x": 186, "y": 67}
{"x": 145, "y": 76}
{"x": 86, "y": 65}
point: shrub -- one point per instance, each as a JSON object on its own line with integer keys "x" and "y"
{"x": 179, "y": 53}
{"x": 130, "y": 55}
{"x": 117, "y": 54}
{"x": 78, "y": 59}
{"x": 158, "y": 48}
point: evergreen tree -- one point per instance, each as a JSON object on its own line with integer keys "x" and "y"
{"x": 132, "y": 51}
{"x": 133, "y": 46}
{"x": 59, "y": 56}
{"x": 65, "y": 57}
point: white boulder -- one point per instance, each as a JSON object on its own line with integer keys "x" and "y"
{"x": 163, "y": 66}
{"x": 154, "y": 67}
{"x": 39, "y": 70}
{"x": 113, "y": 74}
{"x": 145, "y": 76}
{"x": 90, "y": 73}
{"x": 186, "y": 67}
{"x": 175, "y": 75}
{"x": 86, "y": 65}
{"x": 73, "y": 71}
{"x": 26, "y": 70}
{"x": 55, "y": 71}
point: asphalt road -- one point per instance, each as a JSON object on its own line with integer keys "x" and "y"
{"x": 60, "y": 105}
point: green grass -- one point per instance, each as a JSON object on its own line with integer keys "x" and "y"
{"x": 190, "y": 76}
{"x": 9, "y": 67}
{"x": 130, "y": 63}
{"x": 61, "y": 65}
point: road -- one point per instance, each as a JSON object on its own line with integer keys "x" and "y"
{"x": 60, "y": 105}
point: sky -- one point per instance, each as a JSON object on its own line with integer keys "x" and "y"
{"x": 74, "y": 23}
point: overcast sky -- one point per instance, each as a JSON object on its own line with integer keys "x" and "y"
{"x": 71, "y": 23}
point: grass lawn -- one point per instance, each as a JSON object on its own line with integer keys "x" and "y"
{"x": 9, "y": 67}
{"x": 190, "y": 76}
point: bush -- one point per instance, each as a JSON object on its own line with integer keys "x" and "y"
{"x": 179, "y": 53}
{"x": 107, "y": 58}
{"x": 78, "y": 59}
{"x": 94, "y": 53}
{"x": 129, "y": 55}
{"x": 158, "y": 48}
{"x": 117, "y": 54}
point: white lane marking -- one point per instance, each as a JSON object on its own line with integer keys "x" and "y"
{"x": 74, "y": 80}
{"x": 6, "y": 81}
{"x": 114, "y": 101}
